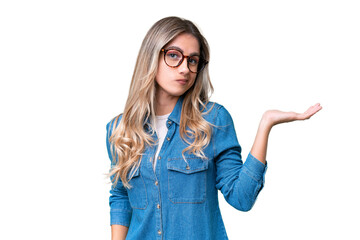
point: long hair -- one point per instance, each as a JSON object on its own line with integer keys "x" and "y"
{"x": 129, "y": 138}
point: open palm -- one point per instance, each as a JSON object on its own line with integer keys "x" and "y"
{"x": 276, "y": 117}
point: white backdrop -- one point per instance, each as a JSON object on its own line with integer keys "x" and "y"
{"x": 65, "y": 70}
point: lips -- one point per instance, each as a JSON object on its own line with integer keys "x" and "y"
{"x": 182, "y": 81}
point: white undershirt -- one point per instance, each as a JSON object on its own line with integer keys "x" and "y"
{"x": 161, "y": 131}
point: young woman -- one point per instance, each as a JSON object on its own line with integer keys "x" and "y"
{"x": 172, "y": 149}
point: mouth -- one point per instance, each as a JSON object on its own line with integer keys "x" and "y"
{"x": 182, "y": 81}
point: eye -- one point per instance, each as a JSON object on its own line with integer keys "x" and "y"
{"x": 172, "y": 54}
{"x": 193, "y": 60}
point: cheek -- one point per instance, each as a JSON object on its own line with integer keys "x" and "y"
{"x": 193, "y": 79}
{"x": 160, "y": 74}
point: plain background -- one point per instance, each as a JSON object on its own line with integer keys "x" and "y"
{"x": 65, "y": 70}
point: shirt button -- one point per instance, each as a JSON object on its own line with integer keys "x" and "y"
{"x": 156, "y": 182}
{"x": 158, "y": 206}
{"x": 159, "y": 157}
{"x": 168, "y": 138}
{"x": 159, "y": 232}
{"x": 169, "y": 122}
{"x": 187, "y": 167}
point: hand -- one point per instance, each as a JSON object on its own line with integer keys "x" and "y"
{"x": 273, "y": 117}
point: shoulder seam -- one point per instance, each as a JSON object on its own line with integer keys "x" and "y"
{"x": 111, "y": 124}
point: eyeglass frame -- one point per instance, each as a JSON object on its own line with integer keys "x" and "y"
{"x": 182, "y": 59}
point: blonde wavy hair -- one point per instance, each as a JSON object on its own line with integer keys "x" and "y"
{"x": 128, "y": 138}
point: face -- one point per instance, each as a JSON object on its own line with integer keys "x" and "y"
{"x": 174, "y": 82}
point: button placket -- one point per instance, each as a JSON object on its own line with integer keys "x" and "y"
{"x": 157, "y": 187}
{"x": 158, "y": 216}
{"x": 157, "y": 172}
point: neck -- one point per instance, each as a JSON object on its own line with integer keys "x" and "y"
{"x": 164, "y": 104}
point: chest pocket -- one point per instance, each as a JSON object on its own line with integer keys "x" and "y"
{"x": 187, "y": 181}
{"x": 137, "y": 194}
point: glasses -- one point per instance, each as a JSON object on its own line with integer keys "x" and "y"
{"x": 173, "y": 58}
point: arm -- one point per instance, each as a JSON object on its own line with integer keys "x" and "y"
{"x": 118, "y": 232}
{"x": 120, "y": 209}
{"x": 239, "y": 183}
{"x": 270, "y": 119}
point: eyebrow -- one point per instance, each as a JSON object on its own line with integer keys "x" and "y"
{"x": 180, "y": 50}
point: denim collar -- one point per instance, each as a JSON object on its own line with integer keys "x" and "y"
{"x": 174, "y": 116}
{"x": 176, "y": 113}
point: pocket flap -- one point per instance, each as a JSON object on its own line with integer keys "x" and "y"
{"x": 130, "y": 175}
{"x": 193, "y": 165}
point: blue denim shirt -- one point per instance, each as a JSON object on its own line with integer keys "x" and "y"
{"x": 180, "y": 200}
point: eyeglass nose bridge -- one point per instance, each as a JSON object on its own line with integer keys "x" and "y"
{"x": 182, "y": 60}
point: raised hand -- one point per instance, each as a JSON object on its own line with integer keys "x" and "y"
{"x": 273, "y": 117}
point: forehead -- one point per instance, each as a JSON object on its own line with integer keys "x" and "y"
{"x": 186, "y": 42}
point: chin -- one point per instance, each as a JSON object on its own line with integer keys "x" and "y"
{"x": 177, "y": 94}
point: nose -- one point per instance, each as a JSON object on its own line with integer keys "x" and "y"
{"x": 183, "y": 68}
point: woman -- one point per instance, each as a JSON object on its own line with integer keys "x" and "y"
{"x": 172, "y": 149}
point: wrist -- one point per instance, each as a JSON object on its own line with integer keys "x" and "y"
{"x": 266, "y": 122}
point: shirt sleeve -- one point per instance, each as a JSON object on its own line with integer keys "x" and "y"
{"x": 239, "y": 183}
{"x": 120, "y": 209}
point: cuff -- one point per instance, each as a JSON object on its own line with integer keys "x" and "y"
{"x": 255, "y": 168}
{"x": 120, "y": 217}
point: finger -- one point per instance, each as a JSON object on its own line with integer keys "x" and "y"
{"x": 312, "y": 110}
{"x": 309, "y": 112}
